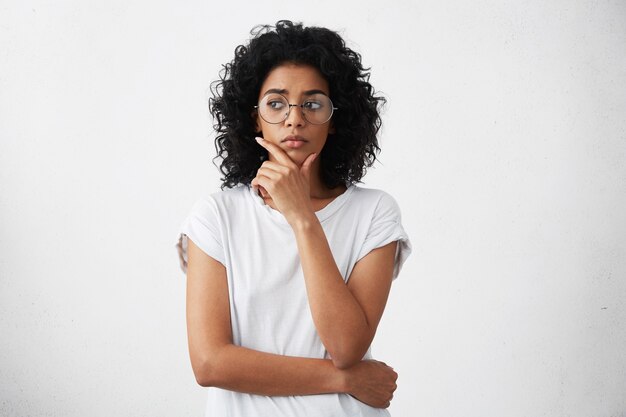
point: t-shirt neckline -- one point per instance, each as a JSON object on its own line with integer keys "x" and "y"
{"x": 322, "y": 214}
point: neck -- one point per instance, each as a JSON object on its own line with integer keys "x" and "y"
{"x": 317, "y": 188}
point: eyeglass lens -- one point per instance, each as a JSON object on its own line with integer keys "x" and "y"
{"x": 316, "y": 109}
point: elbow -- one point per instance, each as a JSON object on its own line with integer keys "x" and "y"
{"x": 203, "y": 380}
{"x": 210, "y": 367}
{"x": 348, "y": 350}
{"x": 348, "y": 353}
{"x": 204, "y": 371}
{"x": 345, "y": 364}
{"x": 346, "y": 361}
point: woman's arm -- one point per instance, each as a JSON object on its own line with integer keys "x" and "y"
{"x": 346, "y": 316}
{"x": 217, "y": 362}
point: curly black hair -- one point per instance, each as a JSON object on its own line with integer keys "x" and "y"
{"x": 353, "y": 146}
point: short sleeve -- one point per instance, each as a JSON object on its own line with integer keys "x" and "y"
{"x": 386, "y": 227}
{"x": 202, "y": 226}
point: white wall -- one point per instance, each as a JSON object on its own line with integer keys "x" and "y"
{"x": 504, "y": 144}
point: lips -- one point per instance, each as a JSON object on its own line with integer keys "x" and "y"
{"x": 294, "y": 141}
{"x": 296, "y": 138}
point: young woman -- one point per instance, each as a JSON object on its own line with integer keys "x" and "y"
{"x": 290, "y": 266}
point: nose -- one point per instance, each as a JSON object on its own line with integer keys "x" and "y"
{"x": 295, "y": 116}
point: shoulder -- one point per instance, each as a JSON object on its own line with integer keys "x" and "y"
{"x": 220, "y": 204}
{"x": 381, "y": 202}
{"x": 370, "y": 194}
{"x": 229, "y": 195}
{"x": 227, "y": 198}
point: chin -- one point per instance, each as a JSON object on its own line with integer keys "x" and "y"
{"x": 297, "y": 155}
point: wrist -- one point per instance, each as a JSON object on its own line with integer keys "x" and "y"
{"x": 303, "y": 222}
{"x": 342, "y": 378}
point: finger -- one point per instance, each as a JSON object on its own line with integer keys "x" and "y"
{"x": 278, "y": 153}
{"x": 265, "y": 183}
{"x": 275, "y": 166}
{"x": 271, "y": 174}
{"x": 306, "y": 165}
{"x": 259, "y": 190}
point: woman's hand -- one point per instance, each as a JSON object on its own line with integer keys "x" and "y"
{"x": 371, "y": 382}
{"x": 286, "y": 183}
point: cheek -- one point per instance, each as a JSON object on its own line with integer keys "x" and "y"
{"x": 322, "y": 137}
{"x": 268, "y": 131}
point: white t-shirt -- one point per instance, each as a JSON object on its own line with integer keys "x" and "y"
{"x": 269, "y": 308}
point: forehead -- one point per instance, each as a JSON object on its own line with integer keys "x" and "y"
{"x": 294, "y": 79}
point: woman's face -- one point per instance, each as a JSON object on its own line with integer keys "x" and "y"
{"x": 296, "y": 136}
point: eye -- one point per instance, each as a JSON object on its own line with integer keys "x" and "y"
{"x": 312, "y": 105}
{"x": 275, "y": 104}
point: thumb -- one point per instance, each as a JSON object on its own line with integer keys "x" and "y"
{"x": 306, "y": 165}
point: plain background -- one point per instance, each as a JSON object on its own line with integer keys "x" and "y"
{"x": 504, "y": 143}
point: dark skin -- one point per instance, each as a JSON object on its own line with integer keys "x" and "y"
{"x": 345, "y": 315}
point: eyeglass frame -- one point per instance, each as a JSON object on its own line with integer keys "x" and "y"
{"x": 332, "y": 109}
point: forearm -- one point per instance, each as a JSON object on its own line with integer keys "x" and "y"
{"x": 246, "y": 370}
{"x": 339, "y": 319}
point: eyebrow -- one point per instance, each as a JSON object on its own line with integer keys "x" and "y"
{"x": 284, "y": 91}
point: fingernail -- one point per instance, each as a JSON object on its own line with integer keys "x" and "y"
{"x": 259, "y": 139}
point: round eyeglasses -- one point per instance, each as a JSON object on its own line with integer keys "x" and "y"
{"x": 274, "y": 108}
